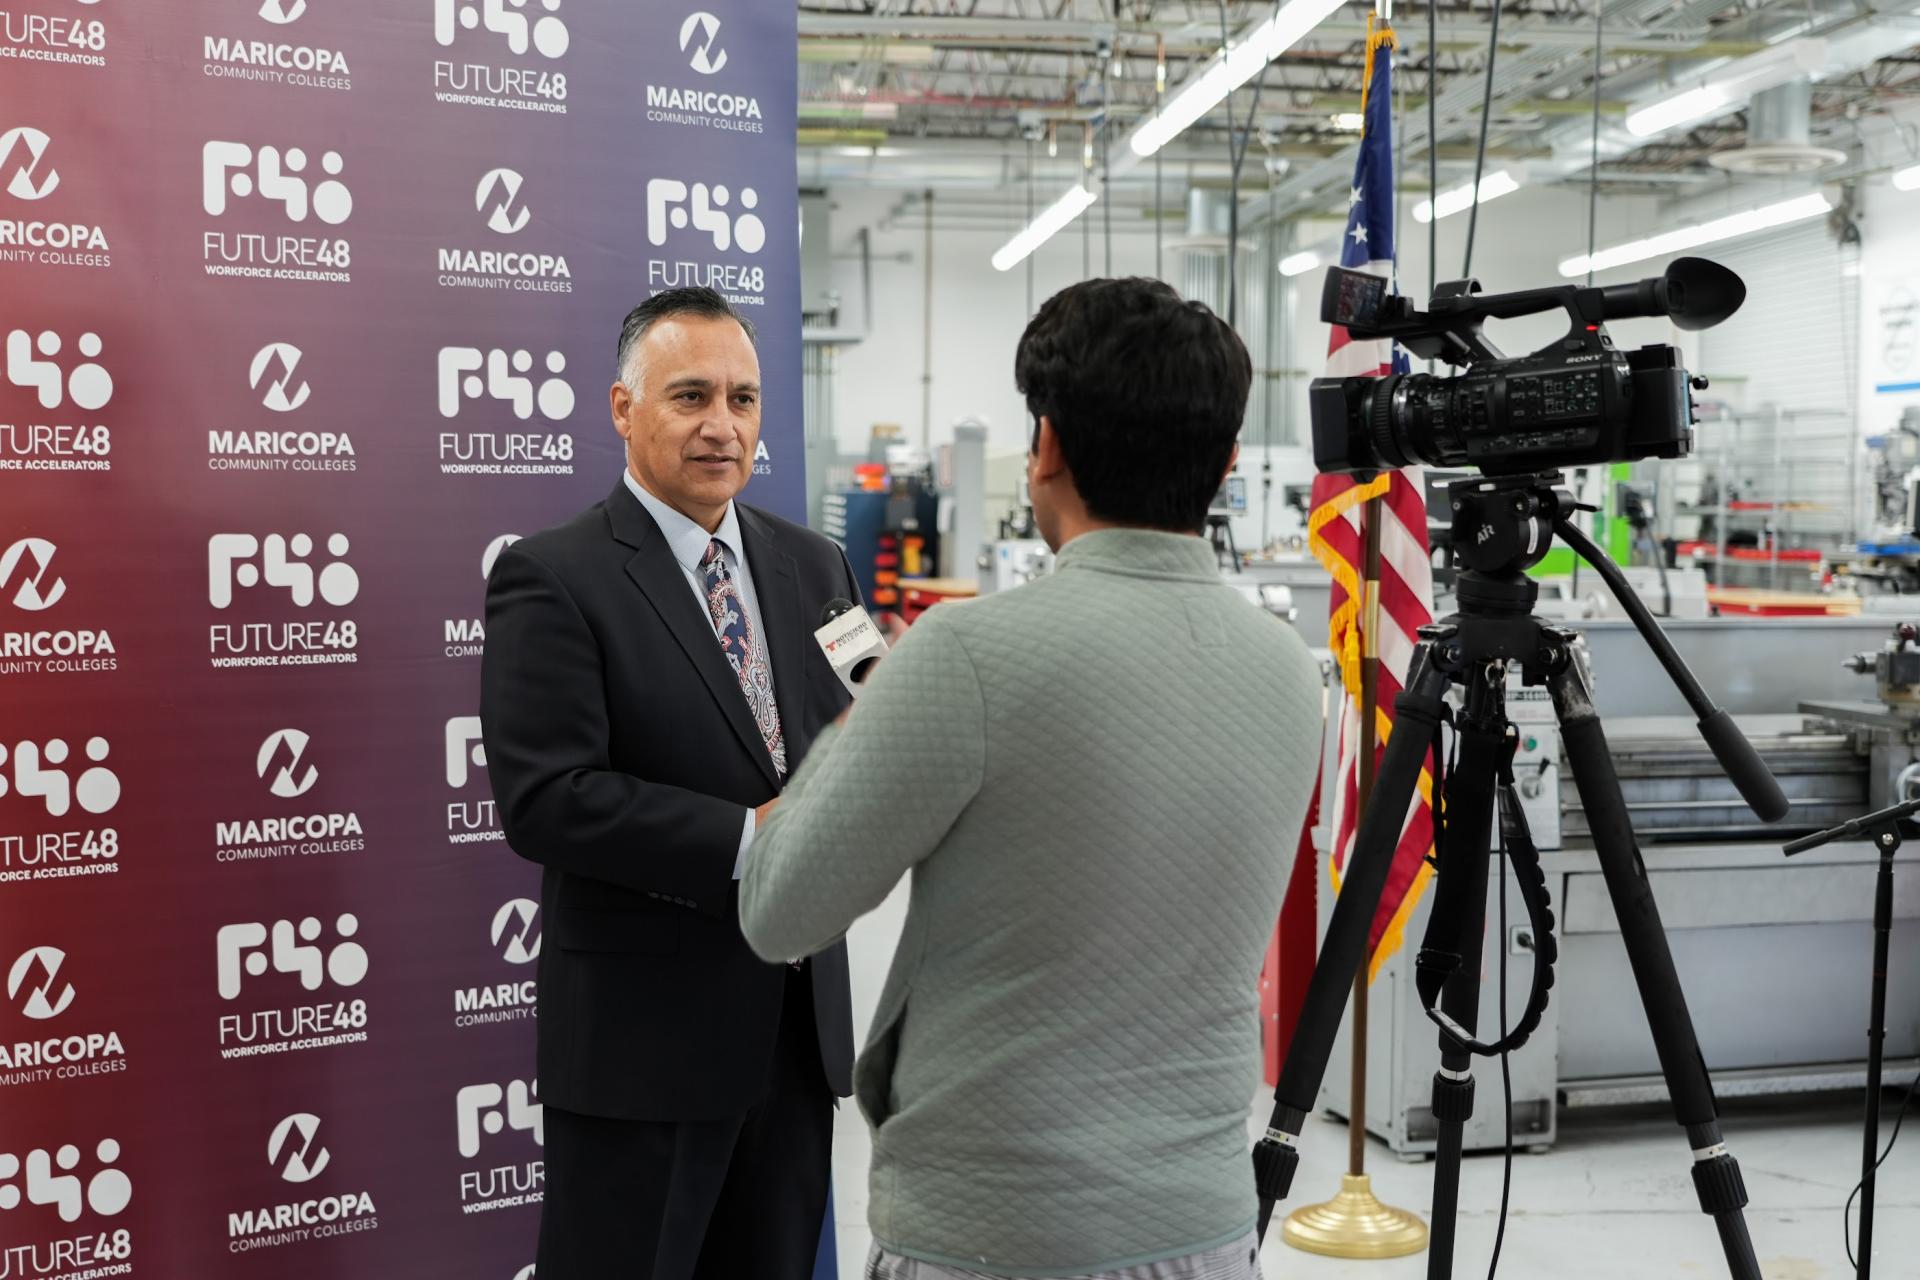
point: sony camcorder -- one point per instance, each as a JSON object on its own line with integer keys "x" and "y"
{"x": 1575, "y": 402}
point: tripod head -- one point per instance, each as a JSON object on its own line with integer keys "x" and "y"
{"x": 1503, "y": 526}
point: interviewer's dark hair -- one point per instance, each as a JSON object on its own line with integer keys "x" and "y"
{"x": 692, "y": 301}
{"x": 1146, "y": 392}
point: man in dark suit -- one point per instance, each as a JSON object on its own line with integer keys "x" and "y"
{"x": 649, "y": 684}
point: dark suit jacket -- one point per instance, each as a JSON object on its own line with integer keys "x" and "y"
{"x": 624, "y": 758}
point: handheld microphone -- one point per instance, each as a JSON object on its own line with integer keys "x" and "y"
{"x": 851, "y": 641}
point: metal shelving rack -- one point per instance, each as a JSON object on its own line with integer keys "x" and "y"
{"x": 1806, "y": 465}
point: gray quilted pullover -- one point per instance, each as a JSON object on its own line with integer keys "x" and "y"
{"x": 1096, "y": 782}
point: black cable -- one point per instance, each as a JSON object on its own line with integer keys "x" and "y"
{"x": 1480, "y": 156}
{"x": 1846, "y": 1215}
{"x": 1029, "y": 314}
{"x": 1159, "y": 214}
{"x": 1106, "y": 193}
{"x": 1433, "y": 148}
{"x": 1593, "y": 162}
{"x": 1237, "y": 155}
{"x": 1506, "y": 1066}
{"x": 1086, "y": 230}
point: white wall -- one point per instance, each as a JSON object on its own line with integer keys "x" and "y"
{"x": 1890, "y": 305}
{"x": 977, "y": 319}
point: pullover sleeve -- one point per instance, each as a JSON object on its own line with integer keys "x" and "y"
{"x": 874, "y": 797}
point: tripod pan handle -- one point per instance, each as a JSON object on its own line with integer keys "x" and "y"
{"x": 1744, "y": 766}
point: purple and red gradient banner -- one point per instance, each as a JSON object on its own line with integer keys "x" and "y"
{"x": 308, "y": 306}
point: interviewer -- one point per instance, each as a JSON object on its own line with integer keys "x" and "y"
{"x": 1095, "y": 781}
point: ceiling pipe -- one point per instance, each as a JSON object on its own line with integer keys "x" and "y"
{"x": 1088, "y": 33}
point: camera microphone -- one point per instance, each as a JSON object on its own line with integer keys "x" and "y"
{"x": 851, "y": 641}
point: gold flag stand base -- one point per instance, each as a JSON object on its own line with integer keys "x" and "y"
{"x": 1355, "y": 1225}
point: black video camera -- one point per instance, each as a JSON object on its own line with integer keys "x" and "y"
{"x": 1574, "y": 402}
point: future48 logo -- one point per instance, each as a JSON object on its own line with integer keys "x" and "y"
{"x": 486, "y": 1117}
{"x": 707, "y": 228}
{"x": 70, "y": 781}
{"x": 517, "y": 382}
{"x": 271, "y": 186}
{"x": 54, "y": 1189}
{"x": 56, "y": 385}
{"x": 286, "y": 957}
{"x": 501, "y": 53}
{"x": 470, "y": 820}
{"x": 69, "y": 39}
{"x": 275, "y": 571}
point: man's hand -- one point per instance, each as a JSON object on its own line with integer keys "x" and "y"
{"x": 764, "y": 812}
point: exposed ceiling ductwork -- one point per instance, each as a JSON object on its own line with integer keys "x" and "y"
{"x": 970, "y": 96}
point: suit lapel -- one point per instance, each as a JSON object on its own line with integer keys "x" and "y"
{"x": 660, "y": 578}
{"x": 776, "y": 587}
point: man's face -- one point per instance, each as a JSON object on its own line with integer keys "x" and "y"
{"x": 693, "y": 423}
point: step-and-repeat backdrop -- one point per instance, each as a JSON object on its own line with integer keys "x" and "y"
{"x": 309, "y": 307}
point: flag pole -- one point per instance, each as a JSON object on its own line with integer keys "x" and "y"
{"x": 1354, "y": 1224}
{"x": 1369, "y": 750}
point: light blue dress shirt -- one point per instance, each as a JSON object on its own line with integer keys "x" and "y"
{"x": 688, "y": 542}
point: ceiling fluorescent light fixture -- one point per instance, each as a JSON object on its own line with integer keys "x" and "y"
{"x": 1744, "y": 223}
{"x": 1295, "y": 264}
{"x": 1907, "y": 179}
{"x": 1053, "y": 219}
{"x": 1460, "y": 198}
{"x": 1728, "y": 86}
{"x": 1228, "y": 70}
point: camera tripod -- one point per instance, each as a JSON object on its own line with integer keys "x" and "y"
{"x": 1501, "y": 527}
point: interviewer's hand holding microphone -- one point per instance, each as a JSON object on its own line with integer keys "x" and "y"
{"x": 854, "y": 644}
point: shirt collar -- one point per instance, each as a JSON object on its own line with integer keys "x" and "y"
{"x": 685, "y": 539}
{"x": 1141, "y": 553}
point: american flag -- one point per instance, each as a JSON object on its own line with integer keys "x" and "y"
{"x": 1337, "y": 536}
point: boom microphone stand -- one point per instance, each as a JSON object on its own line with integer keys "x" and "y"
{"x": 1884, "y": 829}
{"x": 1501, "y": 527}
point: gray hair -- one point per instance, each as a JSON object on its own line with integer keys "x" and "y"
{"x": 696, "y": 301}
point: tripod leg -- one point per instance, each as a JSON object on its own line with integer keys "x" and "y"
{"x": 1457, "y": 934}
{"x": 1716, "y": 1174}
{"x": 1418, "y": 712}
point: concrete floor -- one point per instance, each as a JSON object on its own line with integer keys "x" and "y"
{"x": 1613, "y": 1199}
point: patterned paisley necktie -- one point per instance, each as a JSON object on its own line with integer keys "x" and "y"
{"x": 744, "y": 651}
